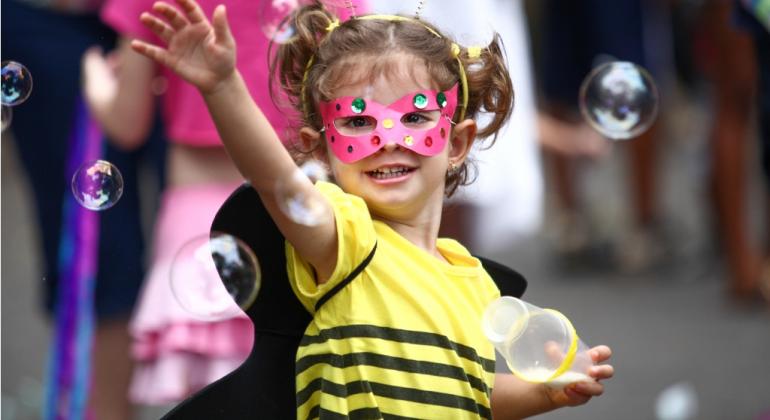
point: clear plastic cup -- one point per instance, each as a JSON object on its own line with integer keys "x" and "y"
{"x": 539, "y": 345}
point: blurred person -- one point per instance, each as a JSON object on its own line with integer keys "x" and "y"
{"x": 576, "y": 37}
{"x": 750, "y": 20}
{"x": 505, "y": 203}
{"x": 48, "y": 37}
{"x": 730, "y": 64}
{"x": 176, "y": 352}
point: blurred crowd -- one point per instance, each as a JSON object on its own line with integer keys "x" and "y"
{"x": 710, "y": 57}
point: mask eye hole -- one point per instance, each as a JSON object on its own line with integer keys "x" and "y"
{"x": 422, "y": 120}
{"x": 355, "y": 125}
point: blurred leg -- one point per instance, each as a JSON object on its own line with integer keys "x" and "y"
{"x": 734, "y": 87}
{"x": 112, "y": 371}
{"x": 642, "y": 159}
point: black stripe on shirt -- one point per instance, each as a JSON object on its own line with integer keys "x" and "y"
{"x": 399, "y": 336}
{"x": 389, "y": 391}
{"x": 393, "y": 363}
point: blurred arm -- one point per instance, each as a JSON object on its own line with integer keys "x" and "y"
{"x": 117, "y": 90}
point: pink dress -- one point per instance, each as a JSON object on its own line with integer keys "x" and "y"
{"x": 177, "y": 354}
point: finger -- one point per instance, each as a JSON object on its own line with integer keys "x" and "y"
{"x": 221, "y": 27}
{"x": 157, "y": 26}
{"x": 171, "y": 14}
{"x": 601, "y": 372}
{"x": 589, "y": 388}
{"x": 600, "y": 353}
{"x": 575, "y": 397}
{"x": 554, "y": 352}
{"x": 151, "y": 51}
{"x": 192, "y": 10}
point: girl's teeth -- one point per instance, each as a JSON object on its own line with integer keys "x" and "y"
{"x": 388, "y": 173}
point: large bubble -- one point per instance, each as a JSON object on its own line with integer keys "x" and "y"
{"x": 215, "y": 276}
{"x": 619, "y": 99}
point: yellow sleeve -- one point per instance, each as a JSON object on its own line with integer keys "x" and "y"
{"x": 355, "y": 239}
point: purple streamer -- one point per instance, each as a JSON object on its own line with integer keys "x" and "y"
{"x": 69, "y": 367}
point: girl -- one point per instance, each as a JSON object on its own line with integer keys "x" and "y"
{"x": 384, "y": 99}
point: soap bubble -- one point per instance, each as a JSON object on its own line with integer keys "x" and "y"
{"x": 293, "y": 196}
{"x": 275, "y": 22}
{"x": 677, "y": 402}
{"x": 215, "y": 276}
{"x": 16, "y": 84}
{"x": 7, "y": 116}
{"x": 315, "y": 171}
{"x": 619, "y": 99}
{"x": 97, "y": 185}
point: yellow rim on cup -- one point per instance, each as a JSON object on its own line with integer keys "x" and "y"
{"x": 568, "y": 359}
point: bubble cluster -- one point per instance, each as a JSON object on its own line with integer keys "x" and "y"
{"x": 297, "y": 200}
{"x": 97, "y": 185}
{"x": 619, "y": 99}
{"x": 16, "y": 83}
{"x": 215, "y": 276}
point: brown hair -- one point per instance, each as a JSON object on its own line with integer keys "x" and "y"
{"x": 335, "y": 53}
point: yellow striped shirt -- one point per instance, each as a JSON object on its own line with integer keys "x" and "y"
{"x": 404, "y": 338}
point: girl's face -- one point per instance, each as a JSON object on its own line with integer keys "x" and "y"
{"x": 395, "y": 181}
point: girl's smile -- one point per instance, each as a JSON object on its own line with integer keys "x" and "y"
{"x": 391, "y": 173}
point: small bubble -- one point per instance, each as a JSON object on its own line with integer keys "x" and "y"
{"x": 97, "y": 185}
{"x": 619, "y": 99}
{"x": 677, "y": 402}
{"x": 16, "y": 83}
{"x": 296, "y": 199}
{"x": 315, "y": 171}
{"x": 159, "y": 85}
{"x": 215, "y": 276}
{"x": 275, "y": 20}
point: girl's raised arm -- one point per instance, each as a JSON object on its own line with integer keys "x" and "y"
{"x": 203, "y": 53}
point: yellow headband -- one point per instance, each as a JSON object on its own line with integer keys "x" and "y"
{"x": 473, "y": 52}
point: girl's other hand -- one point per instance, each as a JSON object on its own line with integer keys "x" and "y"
{"x": 100, "y": 83}
{"x": 580, "y": 393}
{"x": 200, "y": 52}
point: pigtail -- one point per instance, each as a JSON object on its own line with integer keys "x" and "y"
{"x": 490, "y": 89}
{"x": 289, "y": 64}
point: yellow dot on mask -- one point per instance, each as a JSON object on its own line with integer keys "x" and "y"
{"x": 408, "y": 140}
{"x": 387, "y": 123}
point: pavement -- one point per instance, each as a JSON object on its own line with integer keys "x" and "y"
{"x": 676, "y": 335}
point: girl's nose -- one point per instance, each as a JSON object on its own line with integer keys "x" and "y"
{"x": 390, "y": 145}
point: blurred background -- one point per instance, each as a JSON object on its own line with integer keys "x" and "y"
{"x": 656, "y": 245}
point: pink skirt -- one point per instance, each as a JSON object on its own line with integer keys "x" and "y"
{"x": 176, "y": 352}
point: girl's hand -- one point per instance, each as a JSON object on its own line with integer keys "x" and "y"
{"x": 200, "y": 52}
{"x": 100, "y": 83}
{"x": 580, "y": 392}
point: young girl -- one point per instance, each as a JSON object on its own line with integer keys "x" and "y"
{"x": 384, "y": 101}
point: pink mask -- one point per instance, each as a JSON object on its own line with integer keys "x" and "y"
{"x": 383, "y": 123}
